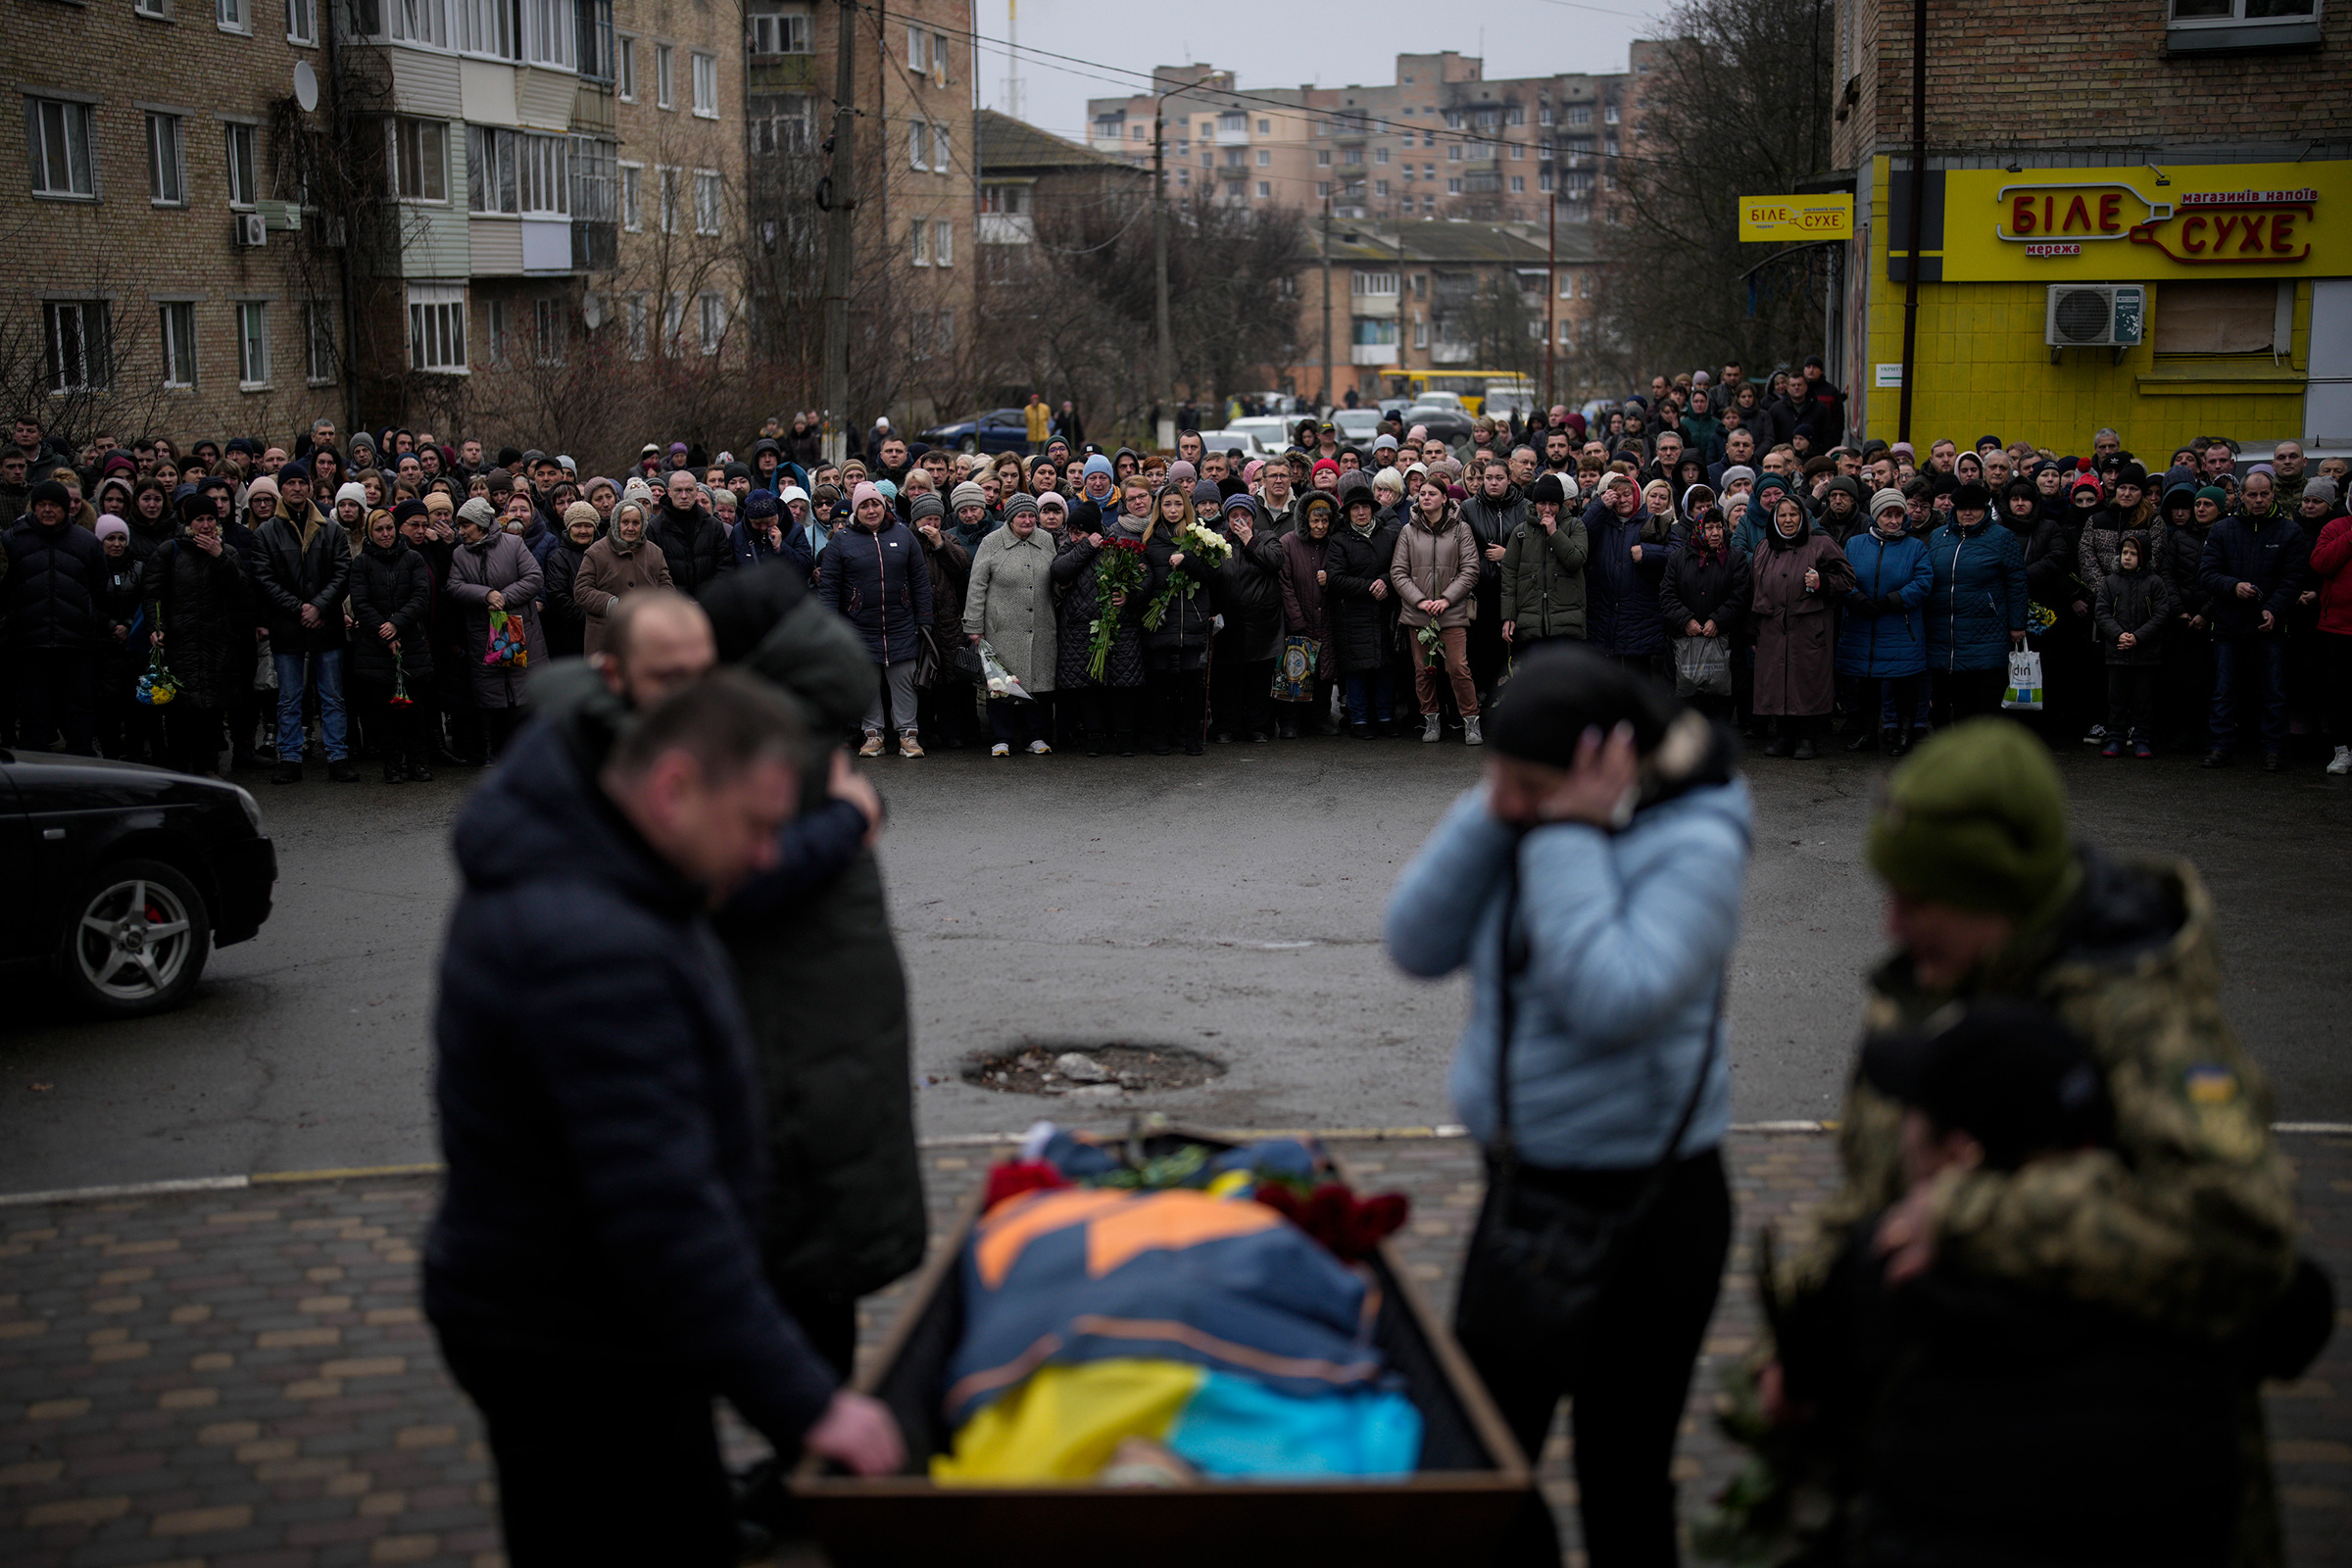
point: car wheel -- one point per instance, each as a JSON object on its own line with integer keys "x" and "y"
{"x": 138, "y": 939}
{"x": 970, "y": 443}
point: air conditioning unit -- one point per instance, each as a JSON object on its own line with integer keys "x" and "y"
{"x": 253, "y": 229}
{"x": 2095, "y": 316}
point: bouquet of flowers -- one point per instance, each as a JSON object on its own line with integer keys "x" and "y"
{"x": 1119, "y": 570}
{"x": 1205, "y": 545}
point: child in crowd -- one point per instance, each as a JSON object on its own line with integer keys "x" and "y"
{"x": 2134, "y": 607}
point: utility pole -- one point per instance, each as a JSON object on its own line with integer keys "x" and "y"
{"x": 1551, "y": 289}
{"x": 1163, "y": 374}
{"x": 1323, "y": 399}
{"x": 841, "y": 204}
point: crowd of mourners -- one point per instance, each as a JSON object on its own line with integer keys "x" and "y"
{"x": 387, "y": 596}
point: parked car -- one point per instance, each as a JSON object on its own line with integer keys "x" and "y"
{"x": 123, "y": 878}
{"x": 1357, "y": 427}
{"x": 996, "y": 430}
{"x": 1448, "y": 422}
{"x": 1232, "y": 436}
{"x": 1270, "y": 434}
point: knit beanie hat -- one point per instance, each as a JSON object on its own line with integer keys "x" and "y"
{"x": 112, "y": 524}
{"x": 1976, "y": 817}
{"x": 1738, "y": 473}
{"x": 967, "y": 493}
{"x": 1098, "y": 463}
{"x": 581, "y": 512}
{"x": 2318, "y": 487}
{"x": 352, "y": 492}
{"x": 1207, "y": 495}
{"x": 439, "y": 504}
{"x": 481, "y": 514}
{"x": 412, "y": 509}
{"x": 1022, "y": 505}
{"x": 761, "y": 504}
{"x": 926, "y": 504}
{"x": 792, "y": 493}
{"x": 263, "y": 485}
{"x": 52, "y": 491}
{"x": 1182, "y": 473}
{"x": 866, "y": 491}
{"x": 1885, "y": 500}
{"x": 2215, "y": 494}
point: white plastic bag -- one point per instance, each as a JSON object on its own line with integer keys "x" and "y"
{"x": 2022, "y": 695}
{"x": 998, "y": 679}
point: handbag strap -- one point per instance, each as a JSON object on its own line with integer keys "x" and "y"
{"x": 1514, "y": 960}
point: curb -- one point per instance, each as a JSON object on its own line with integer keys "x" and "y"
{"x": 1352, "y": 1135}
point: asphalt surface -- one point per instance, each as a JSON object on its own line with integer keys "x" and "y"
{"x": 1230, "y": 904}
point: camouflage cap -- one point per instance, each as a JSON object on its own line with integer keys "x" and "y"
{"x": 1976, "y": 817}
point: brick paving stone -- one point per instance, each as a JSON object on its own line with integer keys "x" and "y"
{"x": 289, "y": 1410}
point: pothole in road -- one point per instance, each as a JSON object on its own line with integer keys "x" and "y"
{"x": 1092, "y": 1072}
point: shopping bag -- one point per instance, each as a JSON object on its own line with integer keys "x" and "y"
{"x": 1702, "y": 666}
{"x": 265, "y": 668}
{"x": 506, "y": 645}
{"x": 1295, "y": 670}
{"x": 2022, "y": 695}
{"x": 998, "y": 679}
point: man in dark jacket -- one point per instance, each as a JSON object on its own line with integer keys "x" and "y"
{"x": 593, "y": 1273}
{"x": 1493, "y": 512}
{"x": 2256, "y": 561}
{"x": 875, "y": 576}
{"x": 302, "y": 572}
{"x": 695, "y": 544}
{"x": 1246, "y": 589}
{"x": 56, "y": 575}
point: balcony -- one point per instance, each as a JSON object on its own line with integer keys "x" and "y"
{"x": 1445, "y": 353}
{"x": 1008, "y": 228}
{"x": 1382, "y": 305}
{"x": 780, "y": 74}
{"x": 1372, "y": 354}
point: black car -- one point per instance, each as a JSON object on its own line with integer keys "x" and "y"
{"x": 995, "y": 430}
{"x": 1449, "y": 425}
{"x": 123, "y": 878}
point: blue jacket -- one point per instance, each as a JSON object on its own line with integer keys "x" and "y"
{"x": 2272, "y": 553}
{"x": 1621, "y": 595}
{"x": 750, "y": 544}
{"x": 1627, "y": 935}
{"x": 804, "y": 543}
{"x": 881, "y": 584}
{"x": 599, "y": 1115}
{"x": 1875, "y": 642}
{"x": 1978, "y": 597}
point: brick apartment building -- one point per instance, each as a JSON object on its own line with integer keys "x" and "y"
{"x": 2175, "y": 168}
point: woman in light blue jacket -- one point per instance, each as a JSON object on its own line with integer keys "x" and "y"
{"x": 1592, "y": 886}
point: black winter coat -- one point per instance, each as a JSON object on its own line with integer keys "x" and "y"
{"x": 1076, "y": 607}
{"x": 1247, "y": 591}
{"x": 1703, "y": 588}
{"x": 2184, "y": 566}
{"x": 562, "y": 621}
{"x": 1363, "y": 628}
{"x": 56, "y": 581}
{"x": 599, "y": 1112}
{"x": 202, "y": 605}
{"x": 693, "y": 544}
{"x": 1181, "y": 640}
{"x": 291, "y": 574}
{"x": 881, "y": 584}
{"x": 2273, "y": 553}
{"x": 392, "y": 587}
{"x": 121, "y": 598}
{"x": 2137, "y": 602}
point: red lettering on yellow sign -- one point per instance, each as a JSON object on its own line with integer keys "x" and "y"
{"x": 2204, "y": 238}
{"x": 2111, "y": 207}
{"x": 2077, "y": 213}
{"x": 2021, "y": 215}
{"x": 2191, "y": 235}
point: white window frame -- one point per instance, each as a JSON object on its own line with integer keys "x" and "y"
{"x": 1518, "y": 185}
{"x": 550, "y": 34}
{"x": 486, "y": 27}
{"x": 550, "y": 330}
{"x": 319, "y": 349}
{"x": 231, "y": 16}
{"x": 167, "y": 159}
{"x": 705, "y": 84}
{"x": 918, "y": 144}
{"x": 418, "y": 22}
{"x": 2254, "y": 27}
{"x": 75, "y": 141}
{"x": 411, "y": 156}
{"x": 781, "y": 32}
{"x": 252, "y": 344}
{"x": 151, "y": 10}
{"x": 1322, "y": 158}
{"x": 236, "y": 134}
{"x": 1380, "y": 187}
{"x": 437, "y": 328}
{"x": 673, "y": 322}
{"x": 302, "y": 22}
{"x": 710, "y": 319}
{"x": 1362, "y": 284}
{"x": 632, "y": 197}
{"x": 918, "y": 49}
{"x": 940, "y": 161}
{"x": 1380, "y": 155}
{"x": 92, "y": 368}
{"x": 665, "y": 72}
{"x": 920, "y": 232}
{"x": 667, "y": 195}
{"x": 1265, "y": 158}
{"x": 543, "y": 174}
{"x": 175, "y": 338}
{"x": 1266, "y": 189}
{"x": 1322, "y": 189}
{"x": 625, "y": 69}
{"x": 1265, "y": 128}
{"x": 939, "y": 58}
{"x": 1454, "y": 188}
{"x": 710, "y": 201}
{"x": 943, "y": 242}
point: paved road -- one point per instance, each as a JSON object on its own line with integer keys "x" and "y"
{"x": 1229, "y": 903}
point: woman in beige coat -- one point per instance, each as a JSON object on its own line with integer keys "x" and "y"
{"x": 1435, "y": 573}
{"x": 1009, "y": 602}
{"x": 620, "y": 561}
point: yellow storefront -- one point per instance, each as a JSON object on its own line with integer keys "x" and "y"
{"x": 2231, "y": 277}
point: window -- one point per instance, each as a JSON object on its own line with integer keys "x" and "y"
{"x": 1580, "y": 114}
{"x": 1454, "y": 152}
{"x": 79, "y": 338}
{"x": 1567, "y": 332}
{"x": 1518, "y": 152}
{"x": 500, "y": 346}
{"x": 242, "y": 187}
{"x": 1610, "y": 114}
{"x": 1362, "y": 284}
{"x": 670, "y": 201}
{"x": 939, "y": 149}
{"x": 1380, "y": 155}
{"x": 918, "y": 144}
{"x": 161, "y": 9}
{"x": 918, "y": 50}
{"x": 167, "y": 161}
{"x": 253, "y": 343}
{"x": 419, "y": 21}
{"x": 706, "y": 201}
{"x": 1353, "y": 155}
{"x": 673, "y": 320}
{"x": 596, "y": 38}
{"x": 1265, "y": 158}
{"x": 781, "y": 33}
{"x": 59, "y": 137}
{"x": 437, "y": 327}
{"x": 624, "y": 69}
{"x": 711, "y": 318}
{"x": 487, "y": 28}
{"x": 2198, "y": 24}
{"x": 938, "y": 57}
{"x": 663, "y": 97}
{"x": 1518, "y": 185}
{"x": 302, "y": 22}
{"x": 947, "y": 332}
{"x": 551, "y": 33}
{"x": 706, "y": 85}
{"x": 1514, "y": 115}
{"x": 549, "y": 325}
{"x": 1380, "y": 187}
{"x": 230, "y": 14}
{"x": 943, "y": 243}
{"x": 420, "y": 160}
{"x": 1420, "y": 333}
{"x": 632, "y": 190}
{"x": 633, "y": 312}
{"x": 318, "y": 343}
{"x": 489, "y": 170}
{"x": 920, "y": 237}
{"x": 176, "y": 332}
{"x": 1545, "y": 115}
{"x": 542, "y": 177}
{"x": 1454, "y": 188}
{"x": 1264, "y": 189}
{"x": 1322, "y": 158}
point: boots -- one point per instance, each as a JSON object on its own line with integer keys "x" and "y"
{"x": 393, "y": 773}
{"x": 1429, "y": 730}
{"x": 1470, "y": 734}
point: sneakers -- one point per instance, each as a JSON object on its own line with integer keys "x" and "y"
{"x": 1803, "y": 752}
{"x": 287, "y": 773}
{"x": 2343, "y": 761}
{"x": 2215, "y": 759}
{"x": 1001, "y": 748}
{"x": 2112, "y": 748}
{"x": 2272, "y": 763}
{"x": 2098, "y": 733}
{"x": 1429, "y": 730}
{"x": 2143, "y": 751}
{"x": 908, "y": 744}
{"x": 873, "y": 744}
{"x": 1040, "y": 749}
{"x": 1470, "y": 734}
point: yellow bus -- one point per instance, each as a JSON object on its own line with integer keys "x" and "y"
{"x": 1473, "y": 387}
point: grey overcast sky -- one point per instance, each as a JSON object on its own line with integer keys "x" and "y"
{"x": 1111, "y": 47}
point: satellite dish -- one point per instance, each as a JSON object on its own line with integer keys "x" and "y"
{"x": 305, "y": 85}
{"x": 592, "y": 310}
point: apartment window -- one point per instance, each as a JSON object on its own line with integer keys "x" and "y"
{"x": 1514, "y": 115}
{"x": 487, "y": 28}
{"x": 711, "y": 318}
{"x": 2236, "y": 23}
{"x": 920, "y": 237}
{"x": 1265, "y": 128}
{"x": 1208, "y": 159}
{"x": 918, "y": 144}
{"x": 918, "y": 50}
{"x": 1454, "y": 188}
{"x": 624, "y": 69}
{"x": 230, "y": 14}
{"x": 706, "y": 201}
{"x": 1610, "y": 114}
{"x": 1567, "y": 332}
{"x": 549, "y": 330}
{"x": 947, "y": 332}
{"x": 781, "y": 33}
{"x": 706, "y": 85}
{"x": 1580, "y": 114}
{"x": 1322, "y": 190}
{"x": 1518, "y": 185}
{"x": 1380, "y": 155}
{"x": 1353, "y": 155}
{"x": 78, "y": 335}
{"x": 499, "y": 344}
{"x": 1544, "y": 182}
{"x": 939, "y": 149}
{"x": 596, "y": 39}
{"x": 1420, "y": 333}
{"x": 633, "y": 314}
{"x": 673, "y": 320}
{"x": 420, "y": 160}
{"x": 1453, "y": 120}
{"x": 943, "y": 242}
{"x": 1610, "y": 147}
{"x": 302, "y": 22}
{"x": 1232, "y": 158}
{"x": 161, "y": 9}
{"x": 167, "y": 161}
{"x": 1518, "y": 152}
{"x": 176, "y": 332}
{"x": 663, "y": 96}
{"x": 1266, "y": 189}
{"x": 253, "y": 343}
{"x": 318, "y": 343}
{"x": 1363, "y": 283}
{"x": 242, "y": 187}
{"x": 938, "y": 57}
{"x": 1380, "y": 187}
{"x": 543, "y": 177}
{"x": 489, "y": 170}
{"x": 1408, "y": 171}
{"x": 419, "y": 21}
{"x": 670, "y": 201}
{"x": 1265, "y": 158}
{"x": 1322, "y": 158}
{"x": 632, "y": 190}
{"x": 437, "y": 327}
{"x": 59, "y": 139}
{"x": 1429, "y": 171}
{"x": 550, "y": 34}
{"x": 1454, "y": 152}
